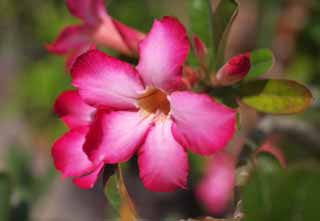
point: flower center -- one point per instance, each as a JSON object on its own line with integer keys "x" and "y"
{"x": 154, "y": 100}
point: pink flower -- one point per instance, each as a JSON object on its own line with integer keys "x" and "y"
{"x": 97, "y": 28}
{"x": 234, "y": 70}
{"x": 143, "y": 110}
{"x": 67, "y": 152}
{"x": 215, "y": 191}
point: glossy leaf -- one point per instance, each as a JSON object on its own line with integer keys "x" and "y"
{"x": 5, "y": 194}
{"x": 284, "y": 195}
{"x": 276, "y": 96}
{"x": 261, "y": 61}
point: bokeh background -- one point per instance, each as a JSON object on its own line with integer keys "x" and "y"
{"x": 31, "y": 79}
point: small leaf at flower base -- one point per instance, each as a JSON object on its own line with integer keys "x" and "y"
{"x": 5, "y": 194}
{"x": 261, "y": 61}
{"x": 276, "y": 96}
{"x": 200, "y": 16}
{"x": 112, "y": 192}
{"x": 291, "y": 194}
{"x": 118, "y": 196}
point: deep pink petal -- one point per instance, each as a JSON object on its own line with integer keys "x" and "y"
{"x": 73, "y": 55}
{"x": 89, "y": 11}
{"x": 88, "y": 181}
{"x": 162, "y": 54}
{"x": 72, "y": 37}
{"x": 115, "y": 136}
{"x": 106, "y": 81}
{"x": 201, "y": 124}
{"x": 68, "y": 155}
{"x": 163, "y": 162}
{"x": 215, "y": 191}
{"x": 73, "y": 110}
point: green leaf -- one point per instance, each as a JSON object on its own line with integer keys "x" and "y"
{"x": 267, "y": 163}
{"x": 290, "y": 195}
{"x": 5, "y": 194}
{"x": 276, "y": 96}
{"x": 118, "y": 196}
{"x": 200, "y": 16}
{"x": 212, "y": 28}
{"x": 222, "y": 20}
{"x": 112, "y": 192}
{"x": 261, "y": 61}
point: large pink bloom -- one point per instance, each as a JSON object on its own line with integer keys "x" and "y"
{"x": 97, "y": 28}
{"x": 148, "y": 113}
{"x": 67, "y": 152}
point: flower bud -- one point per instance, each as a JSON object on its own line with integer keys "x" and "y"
{"x": 234, "y": 70}
{"x": 190, "y": 76}
{"x": 200, "y": 51}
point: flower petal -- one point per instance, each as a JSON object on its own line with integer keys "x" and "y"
{"x": 88, "y": 181}
{"x": 163, "y": 162}
{"x": 73, "y": 111}
{"x": 89, "y": 11}
{"x": 72, "y": 37}
{"x": 106, "y": 81}
{"x": 162, "y": 54}
{"x": 74, "y": 54}
{"x": 201, "y": 124}
{"x": 115, "y": 136}
{"x": 215, "y": 191}
{"x": 68, "y": 155}
{"x": 107, "y": 35}
{"x": 130, "y": 36}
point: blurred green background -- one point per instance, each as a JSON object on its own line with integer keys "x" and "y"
{"x": 31, "y": 79}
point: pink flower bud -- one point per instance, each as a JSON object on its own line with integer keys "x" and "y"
{"x": 215, "y": 191}
{"x": 234, "y": 70}
{"x": 190, "y": 76}
{"x": 200, "y": 51}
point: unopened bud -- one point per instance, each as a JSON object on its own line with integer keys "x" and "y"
{"x": 234, "y": 70}
{"x": 200, "y": 51}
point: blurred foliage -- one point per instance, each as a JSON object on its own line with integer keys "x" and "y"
{"x": 129, "y": 12}
{"x": 5, "y": 194}
{"x": 26, "y": 187}
{"x": 290, "y": 195}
